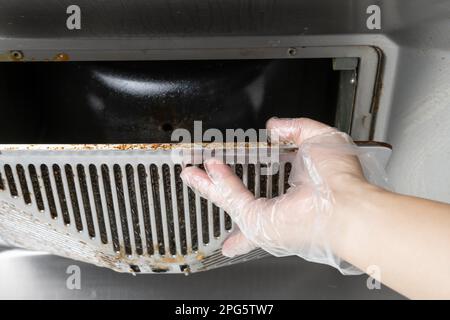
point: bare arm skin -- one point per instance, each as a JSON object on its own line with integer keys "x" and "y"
{"x": 408, "y": 238}
{"x": 333, "y": 215}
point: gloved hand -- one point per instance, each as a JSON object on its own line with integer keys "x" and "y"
{"x": 327, "y": 176}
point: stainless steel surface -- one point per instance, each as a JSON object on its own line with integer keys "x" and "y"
{"x": 35, "y": 276}
{"x": 413, "y": 114}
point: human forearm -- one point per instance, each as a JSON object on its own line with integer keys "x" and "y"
{"x": 406, "y": 237}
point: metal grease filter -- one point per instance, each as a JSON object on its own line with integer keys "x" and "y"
{"x": 124, "y": 207}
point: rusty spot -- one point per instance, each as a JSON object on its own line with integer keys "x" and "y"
{"x": 287, "y": 148}
{"x": 159, "y": 269}
{"x": 61, "y": 57}
{"x": 142, "y": 146}
{"x": 200, "y": 257}
{"x": 175, "y": 259}
{"x": 4, "y": 57}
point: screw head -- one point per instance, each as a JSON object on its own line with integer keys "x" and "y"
{"x": 16, "y": 55}
{"x": 292, "y": 52}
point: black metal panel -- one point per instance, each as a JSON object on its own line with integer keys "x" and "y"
{"x": 142, "y": 102}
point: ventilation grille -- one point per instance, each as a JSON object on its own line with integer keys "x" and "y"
{"x": 131, "y": 207}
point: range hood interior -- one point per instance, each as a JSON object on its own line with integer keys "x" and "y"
{"x": 144, "y": 101}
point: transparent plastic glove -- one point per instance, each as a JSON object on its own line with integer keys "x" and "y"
{"x": 307, "y": 220}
